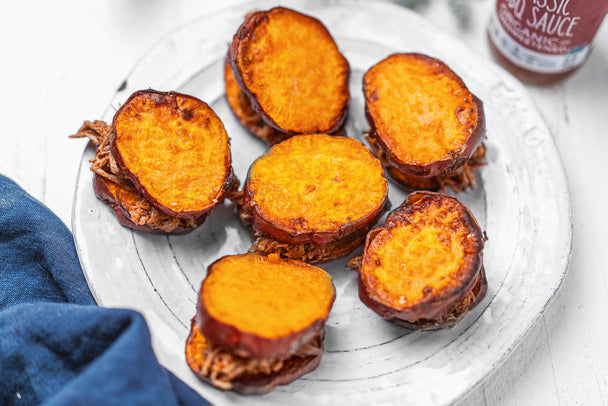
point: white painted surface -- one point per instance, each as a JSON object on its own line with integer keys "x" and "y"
{"x": 62, "y": 62}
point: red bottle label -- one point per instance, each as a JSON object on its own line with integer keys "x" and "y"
{"x": 546, "y": 36}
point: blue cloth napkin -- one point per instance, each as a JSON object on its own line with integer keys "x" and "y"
{"x": 56, "y": 346}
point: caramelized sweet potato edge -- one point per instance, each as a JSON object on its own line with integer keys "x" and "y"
{"x": 163, "y": 98}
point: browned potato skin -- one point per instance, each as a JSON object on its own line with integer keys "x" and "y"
{"x": 260, "y": 384}
{"x": 438, "y": 167}
{"x": 251, "y": 345}
{"x": 245, "y": 31}
{"x": 168, "y": 98}
{"x": 103, "y": 193}
{"x": 438, "y": 305}
{"x": 266, "y": 226}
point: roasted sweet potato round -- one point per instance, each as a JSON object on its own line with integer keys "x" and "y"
{"x": 423, "y": 269}
{"x": 322, "y": 191}
{"x": 291, "y": 70}
{"x": 259, "y": 322}
{"x": 263, "y": 307}
{"x": 175, "y": 151}
{"x": 424, "y": 120}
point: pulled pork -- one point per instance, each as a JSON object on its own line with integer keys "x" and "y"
{"x": 222, "y": 367}
{"x": 307, "y": 252}
{"x": 464, "y": 177}
{"x": 103, "y": 163}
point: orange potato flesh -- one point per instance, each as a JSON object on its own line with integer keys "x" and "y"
{"x": 266, "y": 296}
{"x": 421, "y": 110}
{"x": 317, "y": 184}
{"x": 291, "y": 67}
{"x": 241, "y": 107}
{"x": 428, "y": 252}
{"x": 174, "y": 149}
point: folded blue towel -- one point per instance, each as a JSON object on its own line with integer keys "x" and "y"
{"x": 56, "y": 346}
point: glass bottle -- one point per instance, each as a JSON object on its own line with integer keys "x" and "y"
{"x": 543, "y": 41}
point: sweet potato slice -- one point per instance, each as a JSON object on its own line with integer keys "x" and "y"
{"x": 425, "y": 123}
{"x": 313, "y": 197}
{"x": 259, "y": 322}
{"x": 175, "y": 151}
{"x": 423, "y": 269}
{"x": 263, "y": 306}
{"x": 241, "y": 107}
{"x": 291, "y": 70}
{"x": 133, "y": 211}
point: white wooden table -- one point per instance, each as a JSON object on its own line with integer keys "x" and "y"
{"x": 62, "y": 62}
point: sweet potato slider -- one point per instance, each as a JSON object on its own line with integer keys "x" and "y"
{"x": 423, "y": 269}
{"x": 291, "y": 74}
{"x": 313, "y": 197}
{"x": 175, "y": 150}
{"x": 259, "y": 323}
{"x": 426, "y": 126}
{"x": 163, "y": 164}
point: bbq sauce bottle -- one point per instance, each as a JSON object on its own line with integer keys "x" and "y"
{"x": 543, "y": 41}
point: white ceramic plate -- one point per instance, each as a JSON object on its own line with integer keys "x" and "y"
{"x": 522, "y": 203}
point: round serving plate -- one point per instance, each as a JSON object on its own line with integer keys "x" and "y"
{"x": 522, "y": 203}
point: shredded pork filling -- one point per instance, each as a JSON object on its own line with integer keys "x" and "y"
{"x": 307, "y": 252}
{"x": 222, "y": 367}
{"x": 464, "y": 177}
{"x": 103, "y": 163}
{"x": 140, "y": 212}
